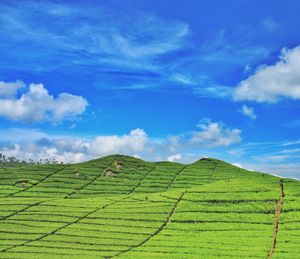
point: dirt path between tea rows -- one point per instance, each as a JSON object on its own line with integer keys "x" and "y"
{"x": 276, "y": 220}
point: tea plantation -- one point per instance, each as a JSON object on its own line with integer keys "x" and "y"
{"x": 123, "y": 207}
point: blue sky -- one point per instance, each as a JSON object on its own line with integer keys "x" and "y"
{"x": 160, "y": 80}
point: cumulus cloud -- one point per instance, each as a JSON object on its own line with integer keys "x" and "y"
{"x": 271, "y": 83}
{"x": 132, "y": 143}
{"x": 10, "y": 89}
{"x": 72, "y": 149}
{"x": 213, "y": 134}
{"x": 37, "y": 105}
{"x": 175, "y": 158}
{"x": 248, "y": 111}
{"x": 41, "y": 145}
{"x": 185, "y": 147}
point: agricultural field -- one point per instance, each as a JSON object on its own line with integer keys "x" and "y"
{"x": 123, "y": 207}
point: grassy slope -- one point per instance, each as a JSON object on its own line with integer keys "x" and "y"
{"x": 124, "y": 207}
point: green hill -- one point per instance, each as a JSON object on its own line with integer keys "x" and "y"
{"x": 123, "y": 207}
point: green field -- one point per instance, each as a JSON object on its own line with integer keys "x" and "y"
{"x": 123, "y": 207}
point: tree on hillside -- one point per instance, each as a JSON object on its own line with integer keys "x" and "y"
{"x": 6, "y": 161}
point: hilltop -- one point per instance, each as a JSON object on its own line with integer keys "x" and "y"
{"x": 120, "y": 206}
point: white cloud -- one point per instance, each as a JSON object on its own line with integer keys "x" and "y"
{"x": 290, "y": 151}
{"x": 214, "y": 91}
{"x": 184, "y": 147}
{"x": 174, "y": 158}
{"x": 270, "y": 83}
{"x": 248, "y": 111}
{"x": 279, "y": 155}
{"x": 109, "y": 46}
{"x": 213, "y": 134}
{"x": 132, "y": 143}
{"x": 72, "y": 152}
{"x": 291, "y": 143}
{"x": 40, "y": 145}
{"x": 37, "y": 105}
{"x": 284, "y": 170}
{"x": 162, "y": 37}
{"x": 72, "y": 149}
{"x": 182, "y": 79}
{"x": 149, "y": 35}
{"x": 10, "y": 89}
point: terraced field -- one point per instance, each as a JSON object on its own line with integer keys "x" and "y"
{"x": 122, "y": 207}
